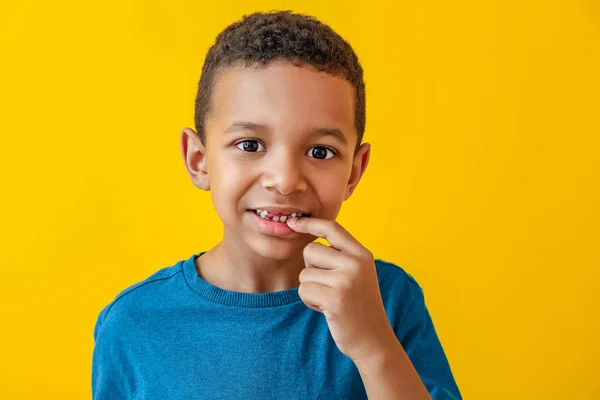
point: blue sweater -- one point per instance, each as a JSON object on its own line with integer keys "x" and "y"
{"x": 176, "y": 336}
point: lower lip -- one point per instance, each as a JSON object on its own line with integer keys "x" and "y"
{"x": 271, "y": 227}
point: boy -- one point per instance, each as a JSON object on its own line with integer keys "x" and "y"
{"x": 268, "y": 313}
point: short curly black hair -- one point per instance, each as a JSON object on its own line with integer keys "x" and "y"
{"x": 261, "y": 38}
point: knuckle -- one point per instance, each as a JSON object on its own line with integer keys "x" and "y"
{"x": 311, "y": 245}
{"x": 302, "y": 289}
{"x": 336, "y": 304}
{"x": 310, "y": 248}
{"x": 303, "y": 275}
{"x": 354, "y": 264}
{"x": 345, "y": 282}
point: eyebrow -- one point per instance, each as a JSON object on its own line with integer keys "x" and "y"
{"x": 250, "y": 126}
{"x": 245, "y": 126}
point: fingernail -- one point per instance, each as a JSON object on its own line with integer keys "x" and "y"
{"x": 292, "y": 221}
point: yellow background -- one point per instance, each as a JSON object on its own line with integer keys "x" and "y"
{"x": 483, "y": 183}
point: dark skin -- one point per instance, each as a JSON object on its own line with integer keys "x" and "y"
{"x": 288, "y": 106}
{"x": 284, "y": 136}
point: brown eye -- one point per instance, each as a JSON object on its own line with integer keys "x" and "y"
{"x": 320, "y": 152}
{"x": 250, "y": 146}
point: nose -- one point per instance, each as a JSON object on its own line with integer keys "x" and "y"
{"x": 283, "y": 172}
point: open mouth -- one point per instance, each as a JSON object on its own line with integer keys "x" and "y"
{"x": 278, "y": 217}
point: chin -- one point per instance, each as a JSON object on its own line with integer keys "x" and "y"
{"x": 276, "y": 249}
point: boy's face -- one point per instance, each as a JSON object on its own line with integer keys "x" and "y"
{"x": 279, "y": 138}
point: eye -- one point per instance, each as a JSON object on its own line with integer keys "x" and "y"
{"x": 250, "y": 146}
{"x": 320, "y": 152}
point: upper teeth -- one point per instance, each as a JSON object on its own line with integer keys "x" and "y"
{"x": 263, "y": 214}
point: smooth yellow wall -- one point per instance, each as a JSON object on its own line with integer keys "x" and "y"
{"x": 483, "y": 183}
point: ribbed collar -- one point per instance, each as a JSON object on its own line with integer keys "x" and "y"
{"x": 231, "y": 298}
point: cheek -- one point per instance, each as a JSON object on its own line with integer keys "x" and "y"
{"x": 331, "y": 190}
{"x": 228, "y": 182}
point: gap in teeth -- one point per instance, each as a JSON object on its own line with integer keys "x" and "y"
{"x": 276, "y": 218}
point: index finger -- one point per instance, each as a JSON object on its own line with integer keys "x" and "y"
{"x": 334, "y": 233}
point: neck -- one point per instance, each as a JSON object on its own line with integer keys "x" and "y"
{"x": 231, "y": 265}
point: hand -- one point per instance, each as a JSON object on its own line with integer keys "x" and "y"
{"x": 341, "y": 282}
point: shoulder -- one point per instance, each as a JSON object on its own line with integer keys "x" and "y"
{"x": 400, "y": 292}
{"x": 394, "y": 278}
{"x": 138, "y": 295}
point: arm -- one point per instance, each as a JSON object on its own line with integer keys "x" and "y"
{"x": 390, "y": 375}
{"x": 411, "y": 363}
{"x": 341, "y": 281}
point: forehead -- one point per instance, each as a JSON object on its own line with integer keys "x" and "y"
{"x": 285, "y": 97}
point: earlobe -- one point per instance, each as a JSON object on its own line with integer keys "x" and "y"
{"x": 359, "y": 165}
{"x": 193, "y": 153}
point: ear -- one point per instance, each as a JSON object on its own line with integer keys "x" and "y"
{"x": 193, "y": 152}
{"x": 359, "y": 165}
